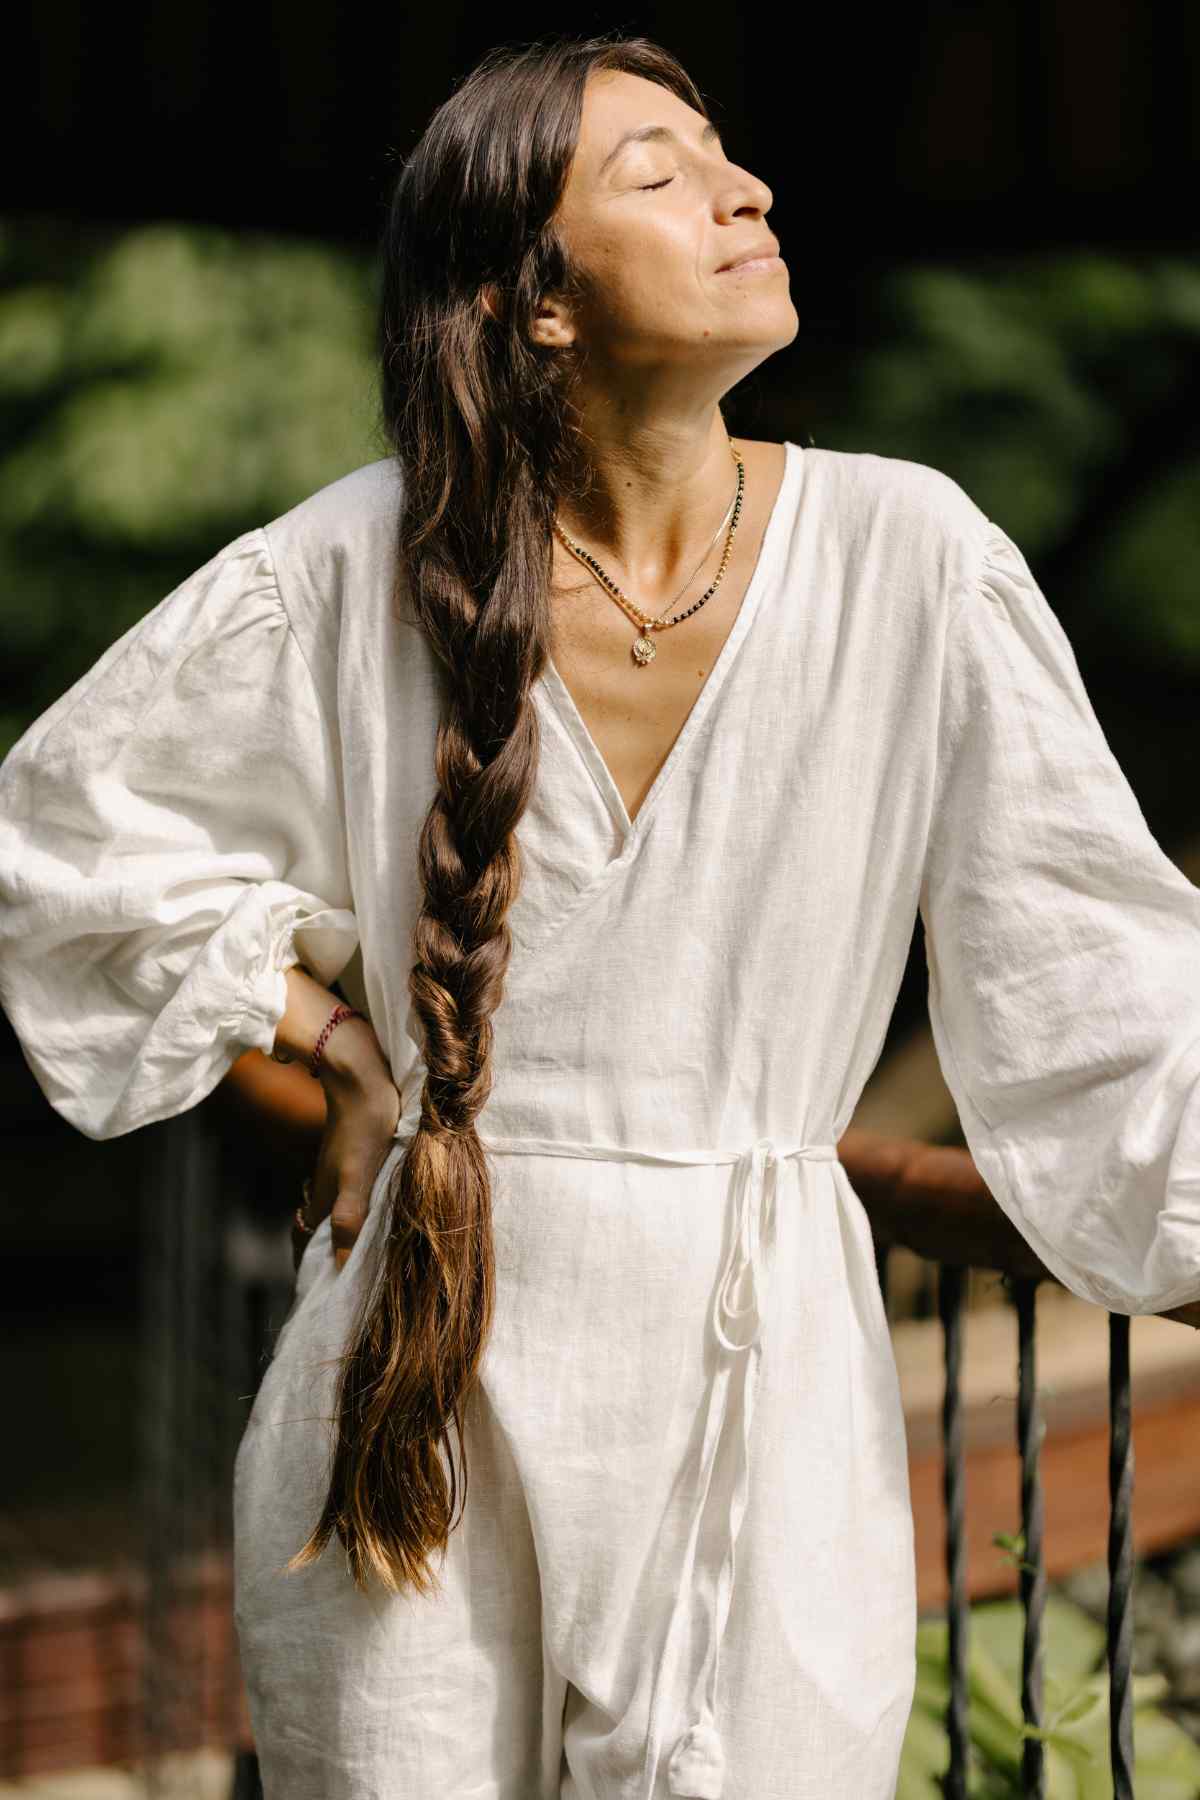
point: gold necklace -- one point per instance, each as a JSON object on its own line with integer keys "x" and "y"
{"x": 643, "y": 649}
{"x": 700, "y": 562}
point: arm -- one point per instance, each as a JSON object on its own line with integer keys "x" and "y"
{"x": 171, "y": 840}
{"x": 1063, "y": 948}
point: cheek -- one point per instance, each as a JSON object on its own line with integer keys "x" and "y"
{"x": 645, "y": 281}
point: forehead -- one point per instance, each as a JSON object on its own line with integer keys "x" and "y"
{"x": 615, "y": 103}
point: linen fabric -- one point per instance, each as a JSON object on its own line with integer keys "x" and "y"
{"x": 685, "y": 1563}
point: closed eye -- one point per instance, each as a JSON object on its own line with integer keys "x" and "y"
{"x": 657, "y": 184}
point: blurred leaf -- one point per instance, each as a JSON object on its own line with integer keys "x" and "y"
{"x": 34, "y": 338}
{"x": 1154, "y": 553}
{"x": 162, "y": 389}
{"x": 1075, "y": 1712}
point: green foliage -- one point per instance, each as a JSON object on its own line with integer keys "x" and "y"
{"x": 1074, "y": 1710}
{"x": 165, "y": 387}
{"x": 1038, "y": 384}
{"x": 161, "y": 390}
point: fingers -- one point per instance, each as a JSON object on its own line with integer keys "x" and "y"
{"x": 339, "y": 1190}
{"x": 349, "y": 1212}
{"x": 345, "y": 1223}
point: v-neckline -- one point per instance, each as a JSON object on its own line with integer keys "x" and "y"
{"x": 572, "y": 719}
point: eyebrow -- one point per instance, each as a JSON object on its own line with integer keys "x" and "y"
{"x": 642, "y": 133}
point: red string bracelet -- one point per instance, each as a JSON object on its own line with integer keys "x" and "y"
{"x": 335, "y": 1018}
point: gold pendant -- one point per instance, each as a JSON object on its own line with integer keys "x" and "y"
{"x": 643, "y": 650}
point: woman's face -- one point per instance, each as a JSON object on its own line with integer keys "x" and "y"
{"x": 651, "y": 221}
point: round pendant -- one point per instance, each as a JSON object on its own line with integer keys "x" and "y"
{"x": 643, "y": 650}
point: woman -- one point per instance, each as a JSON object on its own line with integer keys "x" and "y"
{"x": 641, "y": 748}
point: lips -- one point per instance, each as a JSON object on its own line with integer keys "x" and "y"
{"x": 769, "y": 248}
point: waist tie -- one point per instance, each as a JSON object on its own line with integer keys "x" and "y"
{"x": 696, "y": 1767}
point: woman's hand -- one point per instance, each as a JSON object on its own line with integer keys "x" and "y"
{"x": 362, "y": 1112}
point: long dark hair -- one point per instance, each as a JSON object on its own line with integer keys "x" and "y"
{"x": 480, "y": 419}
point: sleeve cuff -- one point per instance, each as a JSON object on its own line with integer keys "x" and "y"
{"x": 324, "y": 938}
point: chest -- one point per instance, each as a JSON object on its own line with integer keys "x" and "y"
{"x": 630, "y": 715}
{"x": 633, "y": 714}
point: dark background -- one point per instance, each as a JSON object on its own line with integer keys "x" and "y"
{"x": 898, "y": 131}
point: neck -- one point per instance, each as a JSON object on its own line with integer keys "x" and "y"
{"x": 643, "y": 501}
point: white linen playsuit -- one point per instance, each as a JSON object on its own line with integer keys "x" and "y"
{"x": 686, "y": 1561}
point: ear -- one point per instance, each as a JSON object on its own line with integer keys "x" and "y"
{"x": 552, "y": 324}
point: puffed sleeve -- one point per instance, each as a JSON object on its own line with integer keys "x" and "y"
{"x": 171, "y": 840}
{"x": 1063, "y": 948}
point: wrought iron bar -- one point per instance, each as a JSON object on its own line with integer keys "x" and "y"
{"x": 1120, "y": 1558}
{"x": 952, "y": 1280}
{"x": 169, "y": 1206}
{"x": 1030, "y": 1431}
{"x": 882, "y": 1248}
{"x": 247, "y": 1782}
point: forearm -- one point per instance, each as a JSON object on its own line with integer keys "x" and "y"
{"x": 352, "y": 1059}
{"x": 281, "y": 1099}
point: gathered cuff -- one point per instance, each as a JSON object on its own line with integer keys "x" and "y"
{"x": 300, "y": 929}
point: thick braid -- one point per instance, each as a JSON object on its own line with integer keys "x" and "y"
{"x": 425, "y": 1318}
{"x": 470, "y": 869}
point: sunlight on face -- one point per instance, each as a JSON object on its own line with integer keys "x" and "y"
{"x": 651, "y": 219}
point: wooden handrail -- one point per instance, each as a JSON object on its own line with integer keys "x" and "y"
{"x": 930, "y": 1198}
{"x": 281, "y": 1103}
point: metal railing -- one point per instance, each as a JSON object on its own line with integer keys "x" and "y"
{"x": 931, "y": 1200}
